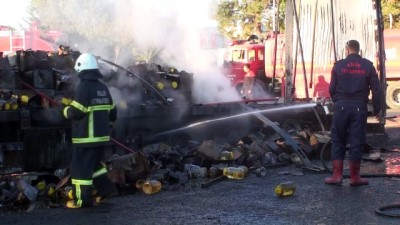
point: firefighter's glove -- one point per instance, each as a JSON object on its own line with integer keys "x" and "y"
{"x": 66, "y": 101}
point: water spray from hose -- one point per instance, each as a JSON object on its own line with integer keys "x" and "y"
{"x": 252, "y": 112}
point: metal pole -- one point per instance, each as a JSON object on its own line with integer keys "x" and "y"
{"x": 276, "y": 29}
{"x": 273, "y": 21}
{"x": 333, "y": 32}
{"x": 137, "y": 76}
{"x": 295, "y": 59}
{"x": 381, "y": 51}
{"x": 287, "y": 83}
{"x": 313, "y": 44}
{"x": 301, "y": 49}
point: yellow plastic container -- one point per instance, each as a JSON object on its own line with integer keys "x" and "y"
{"x": 151, "y": 187}
{"x": 226, "y": 155}
{"x": 287, "y": 188}
{"x": 41, "y": 185}
{"x": 235, "y": 173}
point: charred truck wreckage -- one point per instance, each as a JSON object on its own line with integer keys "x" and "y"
{"x": 159, "y": 107}
{"x": 161, "y": 132}
{"x": 158, "y": 128}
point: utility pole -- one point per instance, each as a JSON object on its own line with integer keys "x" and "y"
{"x": 288, "y": 84}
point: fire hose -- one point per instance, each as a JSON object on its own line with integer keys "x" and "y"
{"x": 383, "y": 210}
{"x": 55, "y": 103}
{"x": 137, "y": 76}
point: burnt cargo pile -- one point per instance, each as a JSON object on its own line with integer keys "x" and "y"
{"x": 30, "y": 85}
{"x": 149, "y": 97}
{"x": 162, "y": 166}
{"x": 151, "y": 100}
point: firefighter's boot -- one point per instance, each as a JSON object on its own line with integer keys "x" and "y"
{"x": 71, "y": 204}
{"x": 355, "y": 179}
{"x": 337, "y": 175}
{"x": 82, "y": 193}
{"x": 105, "y": 188}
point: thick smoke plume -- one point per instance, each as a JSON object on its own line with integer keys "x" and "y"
{"x": 173, "y": 27}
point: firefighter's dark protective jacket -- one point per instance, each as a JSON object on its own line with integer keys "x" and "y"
{"x": 353, "y": 78}
{"x": 91, "y": 111}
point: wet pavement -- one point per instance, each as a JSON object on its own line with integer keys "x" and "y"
{"x": 248, "y": 201}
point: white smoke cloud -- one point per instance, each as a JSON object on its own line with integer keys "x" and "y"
{"x": 174, "y": 26}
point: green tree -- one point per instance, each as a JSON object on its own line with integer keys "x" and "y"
{"x": 391, "y": 13}
{"x": 238, "y": 19}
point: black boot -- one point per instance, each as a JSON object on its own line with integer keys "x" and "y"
{"x": 105, "y": 188}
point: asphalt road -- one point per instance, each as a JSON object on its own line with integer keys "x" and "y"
{"x": 248, "y": 201}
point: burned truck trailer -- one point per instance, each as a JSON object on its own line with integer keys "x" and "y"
{"x": 154, "y": 103}
{"x": 35, "y": 136}
{"x": 31, "y": 127}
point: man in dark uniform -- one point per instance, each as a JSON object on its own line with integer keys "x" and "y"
{"x": 90, "y": 112}
{"x": 352, "y": 80}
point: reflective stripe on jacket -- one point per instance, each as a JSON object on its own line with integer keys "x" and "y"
{"x": 91, "y": 111}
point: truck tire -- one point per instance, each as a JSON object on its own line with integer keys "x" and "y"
{"x": 393, "y": 95}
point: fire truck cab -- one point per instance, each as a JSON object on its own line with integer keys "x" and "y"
{"x": 240, "y": 53}
{"x": 260, "y": 57}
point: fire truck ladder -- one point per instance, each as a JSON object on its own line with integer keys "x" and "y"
{"x": 17, "y": 40}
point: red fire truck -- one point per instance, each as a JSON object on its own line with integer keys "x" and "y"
{"x": 392, "y": 53}
{"x": 261, "y": 58}
{"x": 12, "y": 40}
{"x": 297, "y": 64}
{"x": 257, "y": 55}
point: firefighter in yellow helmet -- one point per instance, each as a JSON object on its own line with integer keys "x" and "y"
{"x": 90, "y": 112}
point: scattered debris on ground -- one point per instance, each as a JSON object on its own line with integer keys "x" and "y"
{"x": 161, "y": 166}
